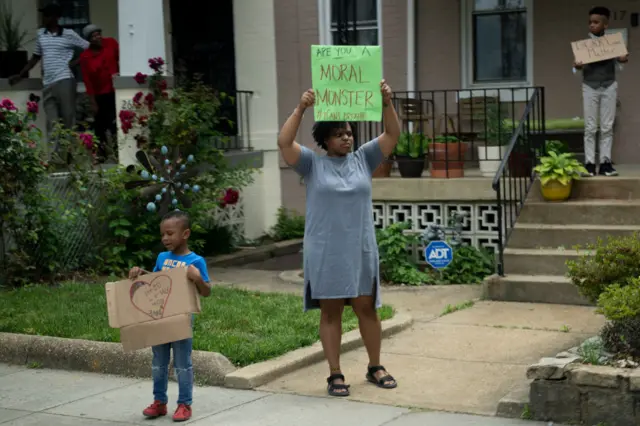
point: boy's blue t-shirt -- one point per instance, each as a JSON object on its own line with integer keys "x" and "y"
{"x": 167, "y": 260}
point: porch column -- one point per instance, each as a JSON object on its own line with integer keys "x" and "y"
{"x": 141, "y": 35}
{"x": 255, "y": 48}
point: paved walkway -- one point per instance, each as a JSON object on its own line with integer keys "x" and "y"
{"x": 462, "y": 362}
{"x": 61, "y": 398}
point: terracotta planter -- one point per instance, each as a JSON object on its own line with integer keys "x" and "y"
{"x": 555, "y": 191}
{"x": 410, "y": 167}
{"x": 447, "y": 159}
{"x": 384, "y": 169}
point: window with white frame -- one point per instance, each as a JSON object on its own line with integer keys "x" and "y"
{"x": 498, "y": 41}
{"x": 365, "y": 30}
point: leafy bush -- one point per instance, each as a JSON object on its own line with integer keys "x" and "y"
{"x": 290, "y": 225}
{"x": 622, "y": 337}
{"x": 618, "y": 302}
{"x": 616, "y": 261}
{"x": 396, "y": 263}
{"x": 469, "y": 266}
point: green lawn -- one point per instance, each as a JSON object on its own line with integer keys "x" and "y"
{"x": 246, "y": 327}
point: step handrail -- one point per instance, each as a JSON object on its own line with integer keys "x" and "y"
{"x": 512, "y": 187}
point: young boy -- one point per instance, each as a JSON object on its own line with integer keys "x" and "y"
{"x": 175, "y": 231}
{"x": 599, "y": 96}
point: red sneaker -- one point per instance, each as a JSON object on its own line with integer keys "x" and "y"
{"x": 183, "y": 413}
{"x": 156, "y": 409}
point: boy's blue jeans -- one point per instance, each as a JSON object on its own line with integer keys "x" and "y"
{"x": 182, "y": 366}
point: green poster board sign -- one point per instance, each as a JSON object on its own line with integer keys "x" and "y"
{"x": 346, "y": 81}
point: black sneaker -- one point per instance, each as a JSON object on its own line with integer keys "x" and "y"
{"x": 591, "y": 170}
{"x": 606, "y": 169}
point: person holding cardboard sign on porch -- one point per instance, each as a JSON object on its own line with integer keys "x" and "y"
{"x": 341, "y": 264}
{"x": 175, "y": 229}
{"x": 598, "y": 58}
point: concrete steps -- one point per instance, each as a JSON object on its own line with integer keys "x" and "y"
{"x": 539, "y": 261}
{"x": 598, "y": 188}
{"x": 537, "y": 236}
{"x": 556, "y": 289}
{"x": 546, "y": 234}
{"x": 583, "y": 212}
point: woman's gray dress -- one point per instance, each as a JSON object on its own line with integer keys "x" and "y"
{"x": 340, "y": 250}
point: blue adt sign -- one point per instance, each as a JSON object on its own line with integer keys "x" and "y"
{"x": 438, "y": 254}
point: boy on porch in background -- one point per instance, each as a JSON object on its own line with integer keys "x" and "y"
{"x": 599, "y": 97}
{"x": 175, "y": 230}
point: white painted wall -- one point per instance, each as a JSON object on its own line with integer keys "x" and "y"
{"x": 255, "y": 48}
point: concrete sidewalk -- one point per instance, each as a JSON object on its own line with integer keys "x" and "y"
{"x": 30, "y": 397}
{"x": 463, "y": 362}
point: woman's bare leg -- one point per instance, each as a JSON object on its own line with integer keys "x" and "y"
{"x": 331, "y": 333}
{"x": 370, "y": 330}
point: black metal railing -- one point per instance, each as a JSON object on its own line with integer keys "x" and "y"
{"x": 515, "y": 175}
{"x": 236, "y": 127}
{"x": 465, "y": 123}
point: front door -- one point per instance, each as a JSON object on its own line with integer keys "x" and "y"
{"x": 202, "y": 34}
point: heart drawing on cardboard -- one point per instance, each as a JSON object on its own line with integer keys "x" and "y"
{"x": 151, "y": 297}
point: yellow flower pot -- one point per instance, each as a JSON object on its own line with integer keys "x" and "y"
{"x": 555, "y": 191}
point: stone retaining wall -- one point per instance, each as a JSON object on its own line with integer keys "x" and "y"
{"x": 564, "y": 390}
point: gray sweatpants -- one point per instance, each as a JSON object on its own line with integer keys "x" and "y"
{"x": 599, "y": 107}
{"x": 59, "y": 100}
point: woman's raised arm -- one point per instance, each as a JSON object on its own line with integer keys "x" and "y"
{"x": 291, "y": 149}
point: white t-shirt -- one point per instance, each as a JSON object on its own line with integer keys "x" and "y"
{"x": 56, "y": 50}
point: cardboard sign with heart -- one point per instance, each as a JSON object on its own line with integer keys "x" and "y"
{"x": 151, "y": 297}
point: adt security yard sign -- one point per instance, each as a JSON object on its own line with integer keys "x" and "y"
{"x": 438, "y": 254}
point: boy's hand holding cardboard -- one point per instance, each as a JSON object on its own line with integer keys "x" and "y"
{"x": 193, "y": 274}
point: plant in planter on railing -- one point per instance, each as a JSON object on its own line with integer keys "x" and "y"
{"x": 557, "y": 173}
{"x": 446, "y": 157}
{"x": 12, "y": 39}
{"x": 410, "y": 154}
{"x": 494, "y": 140}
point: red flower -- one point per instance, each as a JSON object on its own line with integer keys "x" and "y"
{"x": 86, "y": 139}
{"x": 149, "y": 100}
{"x": 162, "y": 85}
{"x": 143, "y": 120}
{"x": 126, "y": 118}
{"x": 156, "y": 64}
{"x": 8, "y": 105}
{"x": 32, "y": 107}
{"x": 230, "y": 197}
{"x": 140, "y": 78}
{"x": 165, "y": 95}
{"x": 137, "y": 98}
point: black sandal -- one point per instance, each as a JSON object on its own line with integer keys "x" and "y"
{"x": 381, "y": 382}
{"x": 337, "y": 389}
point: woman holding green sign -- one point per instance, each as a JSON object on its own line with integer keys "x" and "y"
{"x": 341, "y": 265}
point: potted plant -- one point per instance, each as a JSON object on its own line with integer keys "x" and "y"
{"x": 410, "y": 154}
{"x": 495, "y": 138}
{"x": 12, "y": 38}
{"x": 557, "y": 173}
{"x": 446, "y": 155}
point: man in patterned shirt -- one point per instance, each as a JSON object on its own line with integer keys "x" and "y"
{"x": 55, "y": 46}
